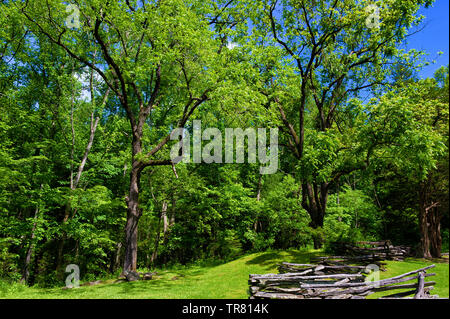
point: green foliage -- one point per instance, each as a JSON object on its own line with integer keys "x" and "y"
{"x": 352, "y": 216}
{"x": 373, "y": 156}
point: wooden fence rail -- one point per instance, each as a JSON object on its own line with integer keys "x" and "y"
{"x": 377, "y": 250}
{"x": 307, "y": 284}
{"x": 311, "y": 269}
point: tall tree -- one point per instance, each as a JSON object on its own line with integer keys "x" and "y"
{"x": 161, "y": 61}
{"x": 329, "y": 52}
{"x": 431, "y": 100}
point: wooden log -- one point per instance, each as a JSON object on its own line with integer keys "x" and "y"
{"x": 290, "y": 270}
{"x": 381, "y": 249}
{"x": 295, "y": 285}
{"x": 274, "y": 295}
{"x": 333, "y": 292}
{"x": 252, "y": 276}
{"x": 323, "y": 268}
{"x": 389, "y": 281}
{"x": 341, "y": 267}
{"x": 308, "y": 271}
{"x": 370, "y": 248}
{"x": 298, "y": 265}
{"x": 343, "y": 281}
{"x": 319, "y": 273}
{"x": 364, "y": 290}
{"x": 281, "y": 289}
{"x": 403, "y": 286}
{"x": 254, "y": 289}
{"x": 289, "y": 283}
{"x": 421, "y": 285}
{"x": 384, "y": 242}
{"x": 295, "y": 277}
{"x": 415, "y": 272}
{"x": 346, "y": 258}
{"x": 318, "y": 268}
{"x": 340, "y": 296}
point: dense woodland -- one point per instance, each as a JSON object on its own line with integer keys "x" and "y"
{"x": 90, "y": 94}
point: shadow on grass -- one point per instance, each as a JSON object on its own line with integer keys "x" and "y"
{"x": 266, "y": 259}
{"x": 302, "y": 256}
{"x": 165, "y": 281}
{"x": 274, "y": 258}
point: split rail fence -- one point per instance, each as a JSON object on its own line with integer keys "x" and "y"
{"x": 328, "y": 282}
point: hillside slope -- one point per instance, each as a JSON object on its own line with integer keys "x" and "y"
{"x": 225, "y": 281}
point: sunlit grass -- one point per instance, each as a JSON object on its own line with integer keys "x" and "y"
{"x": 226, "y": 281}
{"x": 395, "y": 268}
{"x": 229, "y": 280}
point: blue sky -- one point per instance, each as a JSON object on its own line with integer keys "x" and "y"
{"x": 434, "y": 37}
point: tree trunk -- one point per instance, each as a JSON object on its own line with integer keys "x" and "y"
{"x": 133, "y": 215}
{"x": 30, "y": 250}
{"x": 26, "y": 270}
{"x": 165, "y": 218}
{"x": 429, "y": 220}
{"x": 62, "y": 240}
{"x": 116, "y": 260}
{"x": 155, "y": 250}
{"x": 434, "y": 229}
{"x": 77, "y": 251}
{"x": 314, "y": 201}
{"x": 74, "y": 183}
{"x": 424, "y": 249}
{"x": 172, "y": 214}
{"x": 317, "y": 222}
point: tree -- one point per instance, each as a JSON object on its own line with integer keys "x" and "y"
{"x": 160, "y": 60}
{"x": 430, "y": 97}
{"x": 328, "y": 52}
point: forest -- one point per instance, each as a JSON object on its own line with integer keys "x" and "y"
{"x": 92, "y": 174}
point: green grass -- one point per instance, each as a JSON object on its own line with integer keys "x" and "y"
{"x": 395, "y": 268}
{"x": 228, "y": 280}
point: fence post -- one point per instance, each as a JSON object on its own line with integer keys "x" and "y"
{"x": 420, "y": 287}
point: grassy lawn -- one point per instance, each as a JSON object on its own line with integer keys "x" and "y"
{"x": 395, "y": 268}
{"x": 228, "y": 280}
